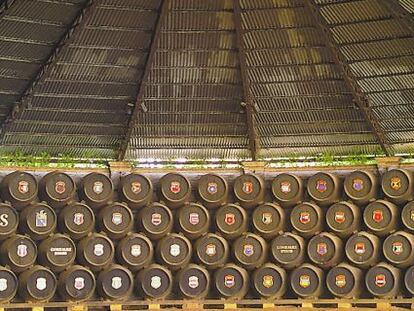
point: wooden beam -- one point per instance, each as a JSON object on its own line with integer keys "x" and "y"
{"x": 27, "y": 95}
{"x": 361, "y": 100}
{"x": 399, "y": 13}
{"x": 254, "y": 142}
{"x": 139, "y": 102}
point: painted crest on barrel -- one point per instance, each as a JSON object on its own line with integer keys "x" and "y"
{"x": 98, "y": 249}
{"x": 395, "y": 183}
{"x": 359, "y": 248}
{"x": 267, "y": 218}
{"x": 116, "y": 282}
{"x": 285, "y": 187}
{"x": 339, "y": 217}
{"x": 79, "y": 283}
{"x": 397, "y": 248}
{"x": 247, "y": 187}
{"x": 340, "y": 280}
{"x": 41, "y": 283}
{"x": 21, "y": 250}
{"x": 155, "y": 282}
{"x": 156, "y": 219}
{"x": 304, "y": 217}
{"x": 3, "y": 284}
{"x": 267, "y": 281}
{"x": 412, "y": 214}
{"x": 229, "y": 280}
{"x": 248, "y": 250}
{"x": 230, "y": 219}
{"x": 321, "y": 185}
{"x": 377, "y": 216}
{"x": 41, "y": 219}
{"x": 322, "y": 248}
{"x": 117, "y": 219}
{"x": 175, "y": 187}
{"x": 193, "y": 282}
{"x": 78, "y": 218}
{"x": 358, "y": 184}
{"x": 136, "y": 250}
{"x": 136, "y": 187}
{"x": 380, "y": 280}
{"x": 304, "y": 280}
{"x": 175, "y": 250}
{"x": 211, "y": 250}
{"x": 23, "y": 186}
{"x": 60, "y": 187}
{"x": 98, "y": 187}
{"x": 194, "y": 218}
{"x": 212, "y": 187}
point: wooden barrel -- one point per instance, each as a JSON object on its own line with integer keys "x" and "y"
{"x": 268, "y": 220}
{"x": 398, "y": 249}
{"x": 96, "y": 190}
{"x": 288, "y": 250}
{"x": 193, "y": 282}
{"x": 269, "y": 281}
{"x": 212, "y": 251}
{"x": 249, "y": 190}
{"x": 135, "y": 251}
{"x": 37, "y": 284}
{"x": 38, "y": 220}
{"x": 343, "y": 218}
{"x": 409, "y": 280}
{"x": 325, "y": 250}
{"x": 154, "y": 282}
{"x": 57, "y": 252}
{"x": 19, "y": 252}
{"x": 381, "y": 217}
{"x": 231, "y": 221}
{"x": 383, "y": 281}
{"x": 174, "y": 251}
{"x": 361, "y": 187}
{"x": 57, "y": 189}
{"x": 95, "y": 251}
{"x": 77, "y": 220}
{"x": 307, "y": 219}
{"x": 288, "y": 189}
{"x": 324, "y": 188}
{"x": 175, "y": 189}
{"x": 115, "y": 282}
{"x": 136, "y": 190}
{"x": 213, "y": 190}
{"x": 407, "y": 216}
{"x": 231, "y": 281}
{"x": 307, "y": 281}
{"x": 76, "y": 284}
{"x": 249, "y": 251}
{"x": 9, "y": 221}
{"x": 8, "y": 285}
{"x": 19, "y": 188}
{"x": 116, "y": 220}
{"x": 397, "y": 185}
{"x": 345, "y": 281}
{"x": 363, "y": 249}
{"x": 193, "y": 220}
{"x": 155, "y": 220}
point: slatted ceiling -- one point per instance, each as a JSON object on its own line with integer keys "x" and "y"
{"x": 190, "y": 142}
{"x": 188, "y": 131}
{"x": 283, "y": 152}
{"x": 380, "y": 84}
{"x": 198, "y": 21}
{"x": 209, "y": 119}
{"x": 131, "y": 4}
{"x": 111, "y": 18}
{"x": 67, "y": 103}
{"x": 193, "y": 105}
{"x": 269, "y": 4}
{"x": 209, "y": 5}
{"x": 408, "y": 5}
{"x": 196, "y": 59}
{"x": 391, "y": 98}
{"x": 388, "y": 66}
{"x": 214, "y": 75}
{"x": 309, "y": 116}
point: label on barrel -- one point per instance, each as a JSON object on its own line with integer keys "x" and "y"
{"x": 136, "y": 187}
{"x": 395, "y": 183}
{"x": 339, "y": 217}
{"x": 117, "y": 219}
{"x": 193, "y": 282}
{"x": 155, "y": 282}
{"x": 61, "y": 251}
{"x": 267, "y": 281}
{"x": 247, "y": 187}
{"x": 175, "y": 250}
{"x": 116, "y": 282}
{"x": 267, "y": 218}
{"x": 98, "y": 249}
{"x": 3, "y": 284}
{"x": 23, "y": 187}
{"x": 79, "y": 283}
{"x": 41, "y": 219}
{"x": 156, "y": 219}
{"x": 4, "y": 222}
{"x": 285, "y": 187}
{"x": 78, "y": 219}
{"x": 41, "y": 283}
{"x": 98, "y": 187}
{"x": 359, "y": 248}
{"x": 212, "y": 188}
{"x": 60, "y": 187}
{"x": 340, "y": 280}
{"x": 304, "y": 281}
{"x": 175, "y": 187}
{"x": 322, "y": 248}
{"x": 211, "y": 250}
{"x": 229, "y": 280}
{"x": 377, "y": 216}
{"x": 357, "y": 184}
{"x": 248, "y": 250}
{"x": 136, "y": 250}
{"x": 397, "y": 248}
{"x": 22, "y": 250}
{"x": 321, "y": 185}
{"x": 304, "y": 217}
{"x": 194, "y": 218}
{"x": 380, "y": 280}
{"x": 230, "y": 219}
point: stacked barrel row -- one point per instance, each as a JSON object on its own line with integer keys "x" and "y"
{"x": 63, "y": 240}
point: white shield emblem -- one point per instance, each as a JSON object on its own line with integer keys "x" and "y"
{"x": 285, "y": 187}
{"x": 98, "y": 187}
{"x": 117, "y": 219}
{"x": 41, "y": 219}
{"x": 98, "y": 249}
{"x": 247, "y": 187}
{"x": 175, "y": 250}
{"x": 116, "y": 282}
{"x": 136, "y": 187}
{"x": 41, "y": 283}
{"x": 60, "y": 187}
{"x": 156, "y": 219}
{"x": 21, "y": 250}
{"x": 135, "y": 250}
{"x": 3, "y": 284}
{"x": 23, "y": 187}
{"x": 193, "y": 281}
{"x": 212, "y": 187}
{"x": 79, "y": 283}
{"x": 78, "y": 219}
{"x": 194, "y": 218}
{"x": 155, "y": 282}
{"x": 211, "y": 250}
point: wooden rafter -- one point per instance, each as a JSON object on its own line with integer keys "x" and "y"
{"x": 399, "y": 13}
{"x": 254, "y": 142}
{"x": 361, "y": 100}
{"x": 139, "y": 102}
{"x": 27, "y": 95}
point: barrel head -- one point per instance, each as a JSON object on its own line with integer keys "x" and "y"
{"x": 57, "y": 188}
{"x": 97, "y": 189}
{"x": 269, "y": 281}
{"x": 322, "y": 250}
{"x": 37, "y": 284}
{"x": 359, "y": 187}
{"x": 342, "y": 218}
{"x": 193, "y": 282}
{"x": 249, "y": 251}
{"x": 341, "y": 282}
{"x": 287, "y": 189}
{"x": 8, "y": 284}
{"x": 136, "y": 190}
{"x": 407, "y": 216}
{"x": 20, "y": 188}
{"x": 397, "y": 186}
{"x": 268, "y": 220}
{"x": 212, "y": 250}
{"x": 154, "y": 282}
{"x": 397, "y": 249}
{"x": 380, "y": 281}
{"x": 249, "y": 190}
{"x": 213, "y": 190}
{"x": 38, "y": 220}
{"x": 361, "y": 250}
{"x": 19, "y": 252}
{"x": 175, "y": 189}
{"x": 57, "y": 252}
{"x": 322, "y": 188}
{"x": 174, "y": 251}
{"x": 115, "y": 282}
{"x": 9, "y": 220}
{"x": 76, "y": 284}
{"x": 96, "y": 251}
{"x": 288, "y": 250}
{"x": 306, "y": 219}
{"x": 116, "y": 220}
{"x": 306, "y": 281}
{"x": 156, "y": 221}
{"x": 77, "y": 220}
{"x": 193, "y": 220}
{"x": 231, "y": 220}
{"x": 409, "y": 280}
{"x": 135, "y": 251}
{"x": 231, "y": 281}
{"x": 379, "y": 217}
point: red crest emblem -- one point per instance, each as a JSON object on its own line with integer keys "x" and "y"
{"x": 339, "y": 217}
{"x": 175, "y": 187}
{"x": 60, "y": 187}
{"x": 377, "y": 216}
{"x": 247, "y": 187}
{"x": 230, "y": 219}
{"x": 304, "y": 217}
{"x": 23, "y": 187}
{"x": 380, "y": 280}
{"x": 359, "y": 248}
